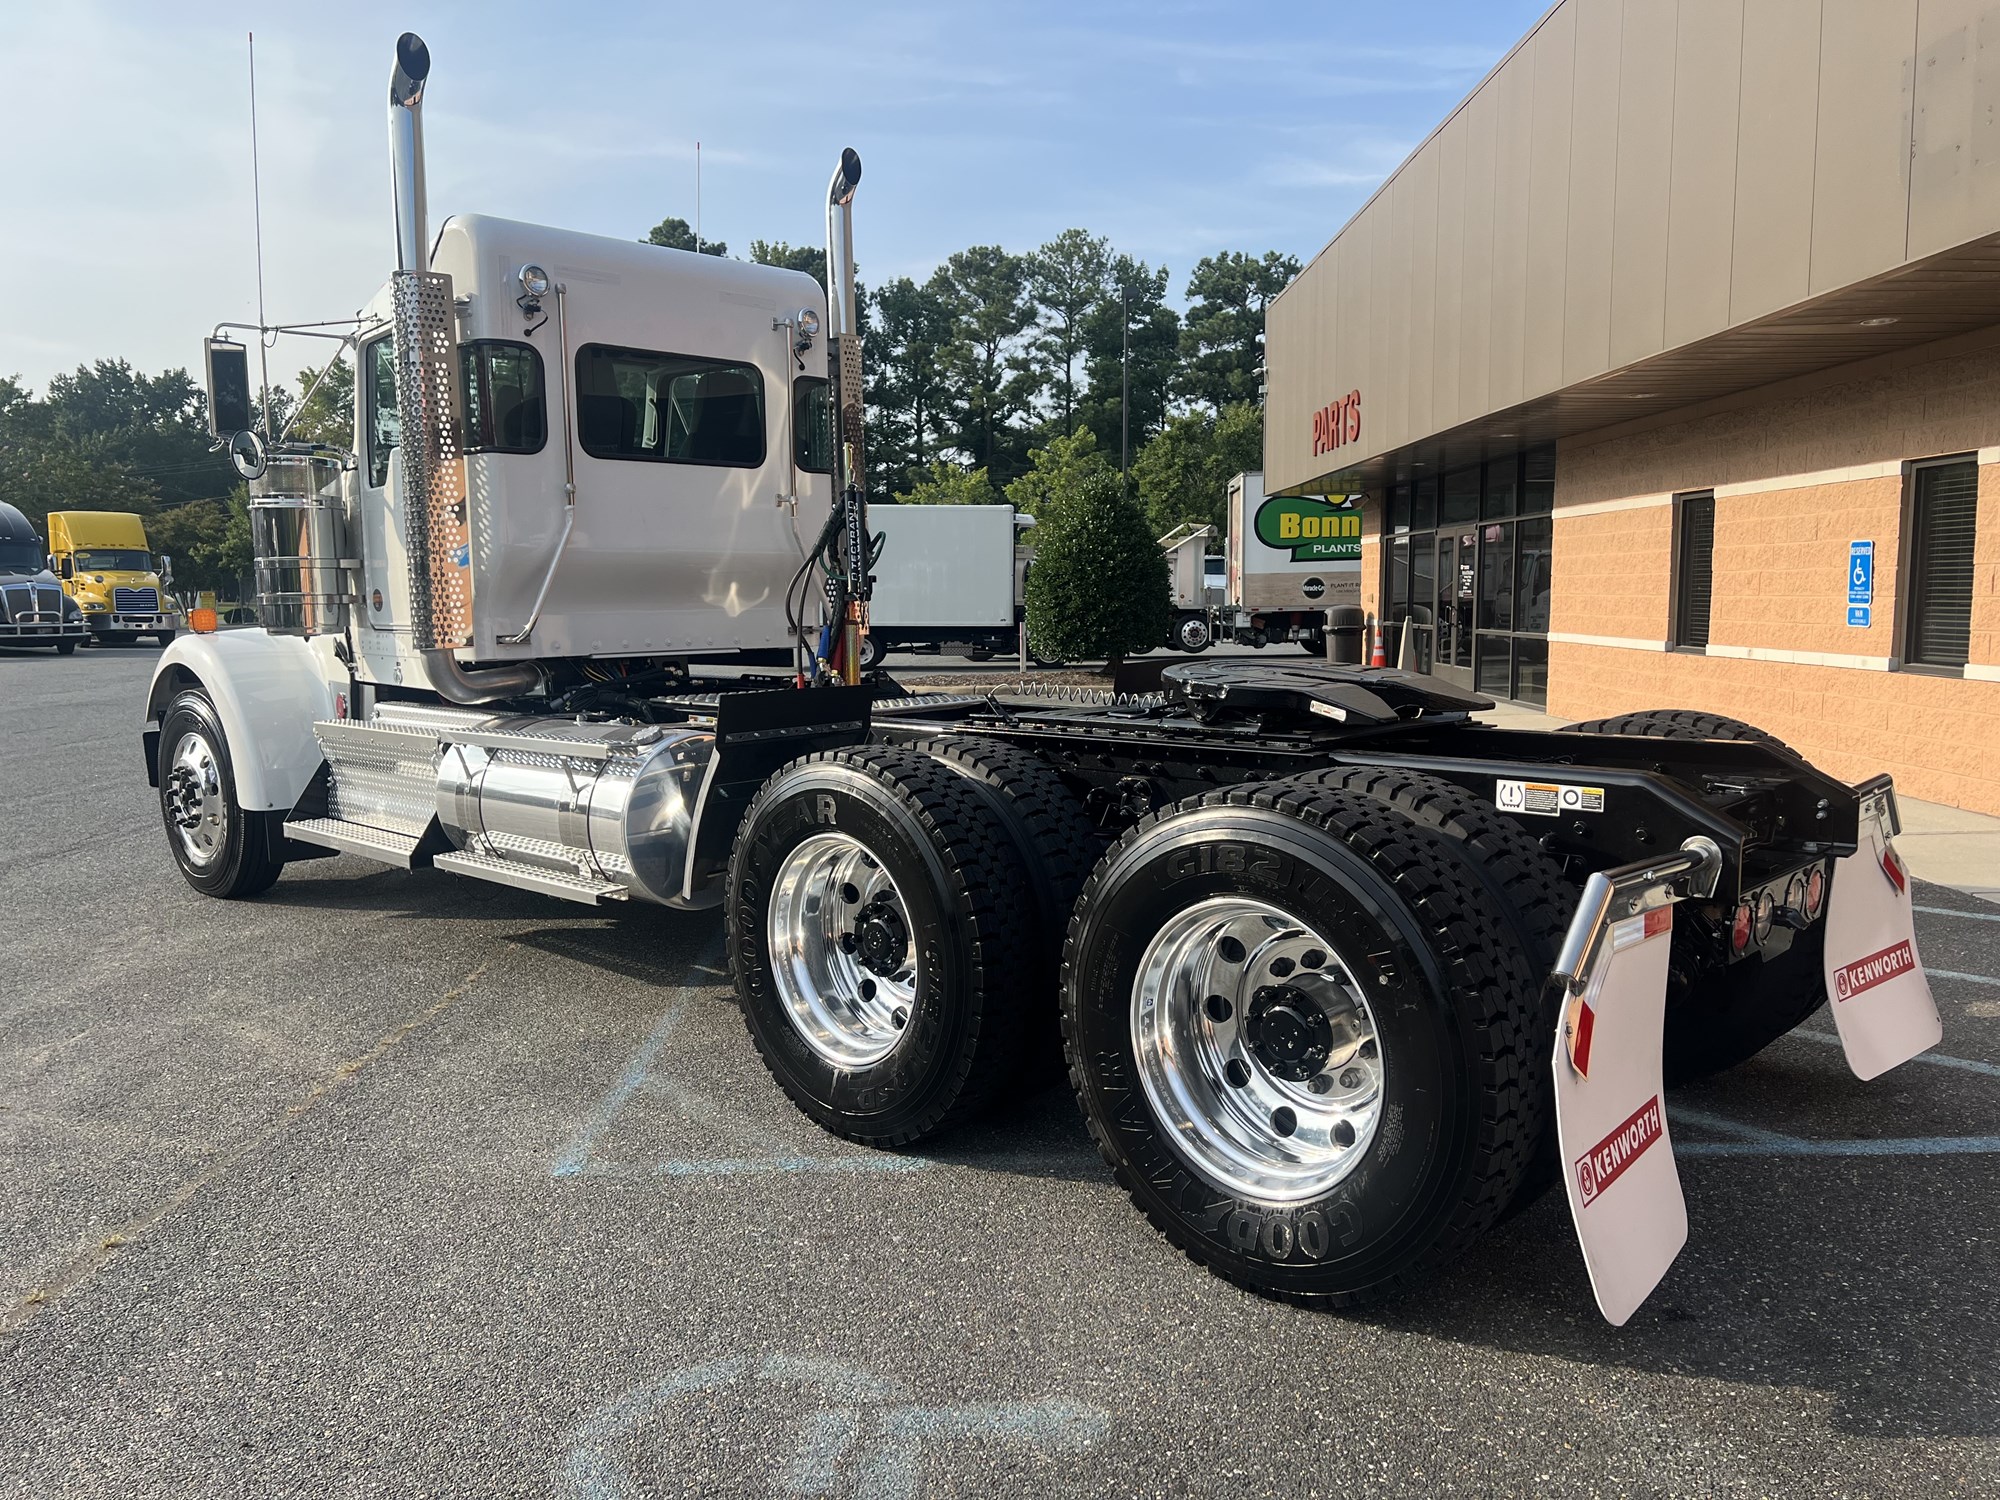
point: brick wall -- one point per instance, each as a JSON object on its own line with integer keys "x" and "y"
{"x": 1799, "y": 474}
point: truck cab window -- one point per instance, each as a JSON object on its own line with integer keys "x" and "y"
{"x": 812, "y": 424}
{"x": 384, "y": 427}
{"x": 504, "y": 408}
{"x": 113, "y": 560}
{"x": 668, "y": 408}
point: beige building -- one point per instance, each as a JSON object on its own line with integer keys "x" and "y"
{"x": 1669, "y": 366}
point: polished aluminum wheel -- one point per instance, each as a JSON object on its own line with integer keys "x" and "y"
{"x": 1257, "y": 1049}
{"x": 842, "y": 954}
{"x": 196, "y": 805}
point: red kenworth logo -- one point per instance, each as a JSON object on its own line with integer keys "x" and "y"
{"x": 1876, "y": 968}
{"x": 1337, "y": 424}
{"x": 1604, "y": 1163}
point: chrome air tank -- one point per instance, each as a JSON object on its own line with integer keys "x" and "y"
{"x": 602, "y": 801}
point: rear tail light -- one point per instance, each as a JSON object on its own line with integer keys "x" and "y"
{"x": 1815, "y": 894}
{"x": 1740, "y": 928}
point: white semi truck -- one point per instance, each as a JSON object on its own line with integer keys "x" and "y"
{"x": 1343, "y": 975}
{"x": 947, "y": 578}
{"x": 1291, "y": 571}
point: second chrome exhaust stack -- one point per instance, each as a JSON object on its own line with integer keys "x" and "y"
{"x": 436, "y": 527}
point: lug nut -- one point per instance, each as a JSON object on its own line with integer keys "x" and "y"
{"x": 1350, "y": 1078}
{"x": 1281, "y": 967}
{"x": 1218, "y": 1007}
{"x": 1312, "y": 958}
{"x": 1319, "y": 1083}
{"x": 1237, "y": 1071}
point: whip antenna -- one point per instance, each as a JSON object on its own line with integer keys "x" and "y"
{"x": 257, "y": 220}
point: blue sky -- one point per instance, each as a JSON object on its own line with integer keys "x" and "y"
{"x": 1176, "y": 129}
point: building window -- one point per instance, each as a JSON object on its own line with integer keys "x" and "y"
{"x": 1937, "y": 567}
{"x": 668, "y": 408}
{"x": 1694, "y": 570}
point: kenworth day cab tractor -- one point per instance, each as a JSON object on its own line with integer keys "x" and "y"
{"x": 1343, "y": 977}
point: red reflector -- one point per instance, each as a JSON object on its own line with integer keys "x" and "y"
{"x": 1815, "y": 893}
{"x": 1739, "y": 930}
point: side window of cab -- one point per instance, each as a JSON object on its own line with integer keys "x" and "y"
{"x": 381, "y": 426}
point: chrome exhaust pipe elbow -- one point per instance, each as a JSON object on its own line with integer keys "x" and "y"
{"x": 406, "y": 152}
{"x": 468, "y": 685}
{"x": 840, "y": 243}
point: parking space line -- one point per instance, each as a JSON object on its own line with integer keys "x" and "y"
{"x": 1952, "y": 911}
{"x": 1753, "y": 1140}
{"x": 1935, "y": 1059}
{"x": 1962, "y": 978}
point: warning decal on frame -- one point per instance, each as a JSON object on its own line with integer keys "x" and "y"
{"x": 1548, "y": 799}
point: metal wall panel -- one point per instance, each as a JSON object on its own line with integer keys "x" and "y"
{"x": 1861, "y": 176}
{"x": 1644, "y": 170}
{"x": 1554, "y": 55}
{"x": 1448, "y": 327}
{"x": 1777, "y": 117}
{"x": 1955, "y": 152}
{"x": 1708, "y": 61}
{"x": 1513, "y": 137}
{"x": 1475, "y": 382}
{"x": 1593, "y": 189}
{"x": 1422, "y": 177}
{"x": 1394, "y": 347}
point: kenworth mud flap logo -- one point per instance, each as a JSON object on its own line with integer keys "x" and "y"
{"x": 1877, "y": 968}
{"x": 1604, "y": 1163}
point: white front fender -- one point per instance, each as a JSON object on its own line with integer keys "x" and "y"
{"x": 268, "y": 690}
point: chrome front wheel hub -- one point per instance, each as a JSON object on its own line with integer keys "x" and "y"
{"x": 195, "y": 804}
{"x": 1257, "y": 1049}
{"x": 841, "y": 953}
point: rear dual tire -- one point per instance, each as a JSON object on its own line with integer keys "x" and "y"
{"x": 1722, "y": 1014}
{"x": 1290, "y": 949}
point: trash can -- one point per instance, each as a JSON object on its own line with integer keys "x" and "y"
{"x": 1346, "y": 626}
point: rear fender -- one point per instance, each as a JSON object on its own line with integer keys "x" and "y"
{"x": 268, "y": 690}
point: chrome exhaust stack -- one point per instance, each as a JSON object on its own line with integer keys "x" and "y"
{"x": 844, "y": 331}
{"x": 436, "y": 528}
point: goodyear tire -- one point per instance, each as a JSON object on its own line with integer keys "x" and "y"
{"x": 1721, "y": 1014}
{"x": 1302, "y": 1038}
{"x": 879, "y": 926}
{"x": 1522, "y": 881}
{"x": 222, "y": 850}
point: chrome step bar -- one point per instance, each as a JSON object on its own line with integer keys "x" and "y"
{"x": 532, "y": 878}
{"x": 380, "y": 844}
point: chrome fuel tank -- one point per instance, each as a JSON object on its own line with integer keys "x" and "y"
{"x": 612, "y": 802}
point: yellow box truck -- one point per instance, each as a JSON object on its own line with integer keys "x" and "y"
{"x": 106, "y": 565}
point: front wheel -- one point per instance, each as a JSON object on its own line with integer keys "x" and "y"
{"x": 872, "y": 652}
{"x": 166, "y": 639}
{"x": 65, "y": 648}
{"x": 1191, "y": 633}
{"x": 1304, "y": 1039}
{"x": 222, "y": 850}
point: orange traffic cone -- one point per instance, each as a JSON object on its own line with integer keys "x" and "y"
{"x": 1379, "y": 658}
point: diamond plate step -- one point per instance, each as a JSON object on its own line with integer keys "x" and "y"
{"x": 380, "y": 844}
{"x": 532, "y": 878}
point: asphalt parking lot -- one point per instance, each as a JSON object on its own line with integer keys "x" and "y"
{"x": 392, "y": 1183}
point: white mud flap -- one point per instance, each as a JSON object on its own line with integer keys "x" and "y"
{"x": 1611, "y": 1115}
{"x": 1875, "y": 983}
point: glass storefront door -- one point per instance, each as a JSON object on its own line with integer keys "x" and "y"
{"x": 1466, "y": 586}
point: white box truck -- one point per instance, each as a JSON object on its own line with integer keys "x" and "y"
{"x": 948, "y": 577}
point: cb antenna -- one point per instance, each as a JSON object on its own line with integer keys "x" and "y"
{"x": 257, "y": 220}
